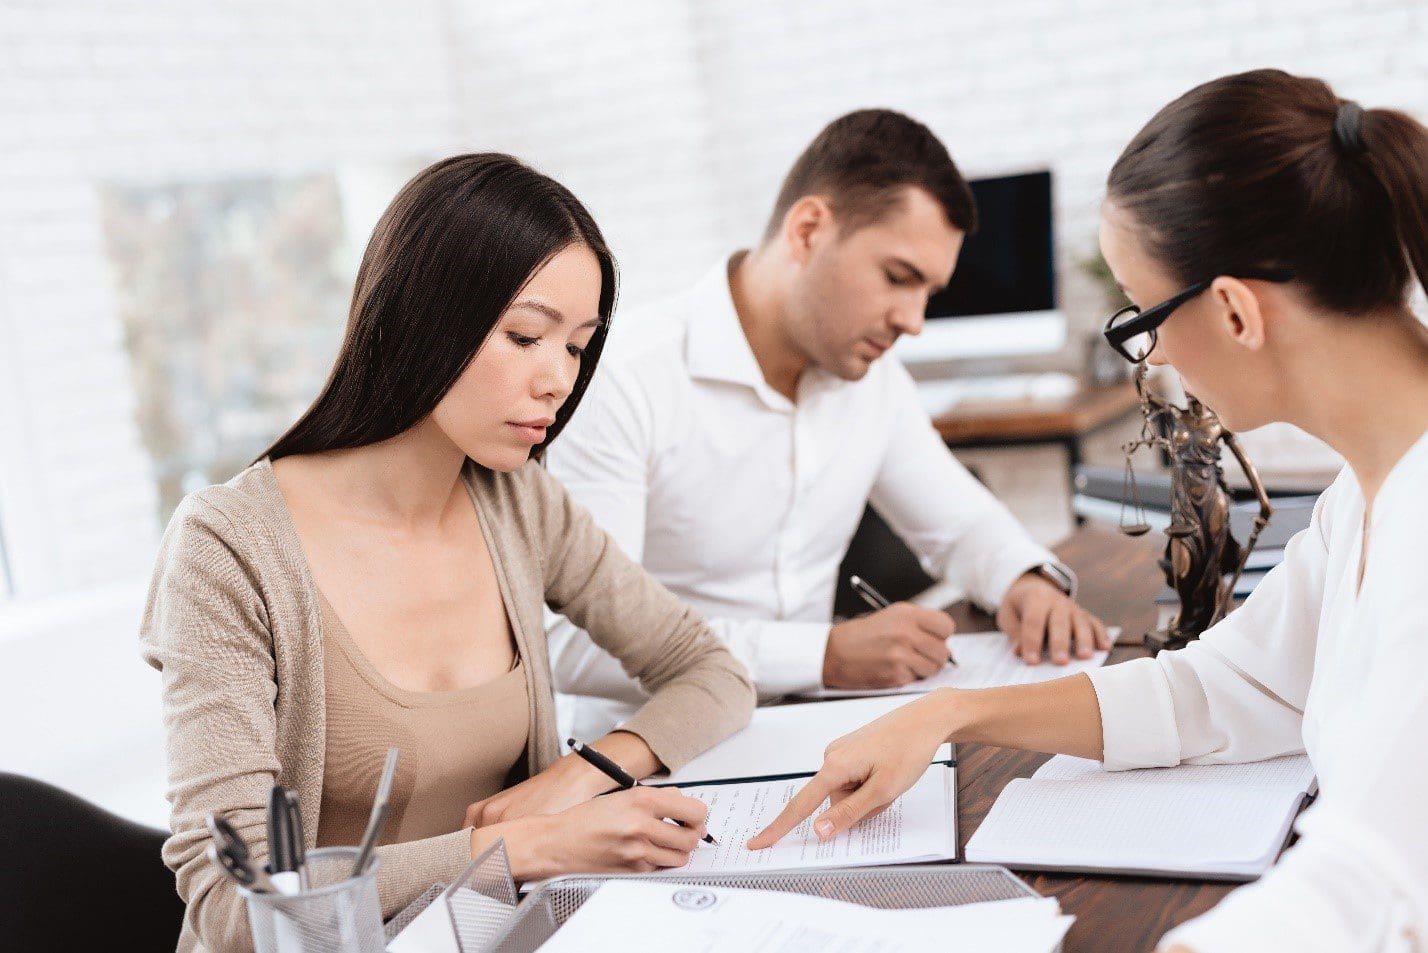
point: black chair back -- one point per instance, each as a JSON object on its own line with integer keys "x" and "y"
{"x": 75, "y": 877}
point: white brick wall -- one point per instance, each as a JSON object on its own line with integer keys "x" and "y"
{"x": 673, "y": 119}
{"x": 611, "y": 99}
{"x": 96, "y": 92}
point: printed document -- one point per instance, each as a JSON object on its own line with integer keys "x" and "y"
{"x": 636, "y": 916}
{"x": 984, "y": 660}
{"x": 919, "y": 826}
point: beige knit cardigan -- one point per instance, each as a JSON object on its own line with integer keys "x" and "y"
{"x": 233, "y": 625}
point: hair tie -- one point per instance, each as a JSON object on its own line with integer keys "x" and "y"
{"x": 1349, "y": 127}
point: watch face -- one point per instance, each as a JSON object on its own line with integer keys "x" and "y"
{"x": 1057, "y": 576}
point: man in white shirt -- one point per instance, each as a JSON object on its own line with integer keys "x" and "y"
{"x": 735, "y": 432}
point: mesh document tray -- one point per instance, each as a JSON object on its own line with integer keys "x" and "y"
{"x": 888, "y": 888}
{"x": 403, "y": 919}
{"x": 479, "y": 903}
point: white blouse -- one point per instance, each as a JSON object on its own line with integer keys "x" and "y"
{"x": 1313, "y": 662}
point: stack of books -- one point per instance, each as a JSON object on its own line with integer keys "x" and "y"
{"x": 1098, "y": 497}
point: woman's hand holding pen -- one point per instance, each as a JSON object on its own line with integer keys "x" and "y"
{"x": 566, "y": 783}
{"x": 555, "y": 823}
{"x": 625, "y": 831}
{"x": 867, "y": 770}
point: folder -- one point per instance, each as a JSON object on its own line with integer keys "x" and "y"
{"x": 1211, "y": 822}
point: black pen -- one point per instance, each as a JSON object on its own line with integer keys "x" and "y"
{"x": 617, "y": 774}
{"x": 280, "y": 841}
{"x": 278, "y": 830}
{"x": 298, "y": 847}
{"x": 876, "y": 600}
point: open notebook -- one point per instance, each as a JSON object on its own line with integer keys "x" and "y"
{"x": 984, "y": 660}
{"x": 1216, "y": 822}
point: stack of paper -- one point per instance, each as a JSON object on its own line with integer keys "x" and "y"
{"x": 747, "y": 780}
{"x": 919, "y": 826}
{"x": 1226, "y": 821}
{"x": 984, "y": 660}
{"x": 649, "y": 917}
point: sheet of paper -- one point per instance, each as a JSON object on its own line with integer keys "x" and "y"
{"x": 984, "y": 660}
{"x": 1291, "y": 770}
{"x": 787, "y": 739}
{"x": 431, "y": 931}
{"x": 651, "y": 917}
{"x": 920, "y": 825}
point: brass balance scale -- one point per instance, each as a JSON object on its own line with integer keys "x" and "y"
{"x": 1200, "y": 550}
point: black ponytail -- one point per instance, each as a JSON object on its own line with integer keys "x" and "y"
{"x": 1265, "y": 170}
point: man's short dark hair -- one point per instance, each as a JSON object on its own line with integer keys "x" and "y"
{"x": 861, "y": 163}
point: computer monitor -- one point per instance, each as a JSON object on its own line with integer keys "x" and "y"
{"x": 1002, "y": 297}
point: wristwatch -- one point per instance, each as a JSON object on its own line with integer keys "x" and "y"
{"x": 1057, "y": 576}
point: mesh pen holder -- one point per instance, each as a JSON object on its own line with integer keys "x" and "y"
{"x": 337, "y": 913}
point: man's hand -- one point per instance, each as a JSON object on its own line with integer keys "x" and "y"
{"x": 1037, "y": 616}
{"x": 887, "y": 648}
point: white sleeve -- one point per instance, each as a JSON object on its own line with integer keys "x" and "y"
{"x": 603, "y": 459}
{"x": 1357, "y": 880}
{"x": 1235, "y": 694}
{"x": 956, "y": 527}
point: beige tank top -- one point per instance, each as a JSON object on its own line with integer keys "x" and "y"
{"x": 457, "y": 747}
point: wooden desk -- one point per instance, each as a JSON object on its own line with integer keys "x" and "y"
{"x": 1035, "y": 420}
{"x": 1118, "y": 582}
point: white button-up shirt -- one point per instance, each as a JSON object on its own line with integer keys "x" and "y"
{"x": 1312, "y": 662}
{"x": 743, "y": 502}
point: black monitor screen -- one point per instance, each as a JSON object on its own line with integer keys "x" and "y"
{"x": 1006, "y": 267}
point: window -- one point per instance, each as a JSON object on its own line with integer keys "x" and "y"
{"x": 233, "y": 296}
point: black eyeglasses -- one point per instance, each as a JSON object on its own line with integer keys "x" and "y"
{"x": 1132, "y": 332}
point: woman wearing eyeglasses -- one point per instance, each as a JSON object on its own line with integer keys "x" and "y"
{"x": 1268, "y": 233}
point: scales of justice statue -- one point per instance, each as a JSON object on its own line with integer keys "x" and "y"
{"x": 1200, "y": 551}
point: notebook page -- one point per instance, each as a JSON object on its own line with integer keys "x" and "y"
{"x": 920, "y": 825}
{"x": 984, "y": 660}
{"x": 1291, "y": 771}
{"x": 1169, "y": 826}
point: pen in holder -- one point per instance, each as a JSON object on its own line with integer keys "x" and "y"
{"x": 337, "y": 913}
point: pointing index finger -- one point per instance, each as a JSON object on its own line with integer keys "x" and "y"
{"x": 808, "y": 799}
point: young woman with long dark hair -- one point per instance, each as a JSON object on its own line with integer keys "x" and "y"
{"x": 1270, "y": 231}
{"x": 377, "y": 578}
